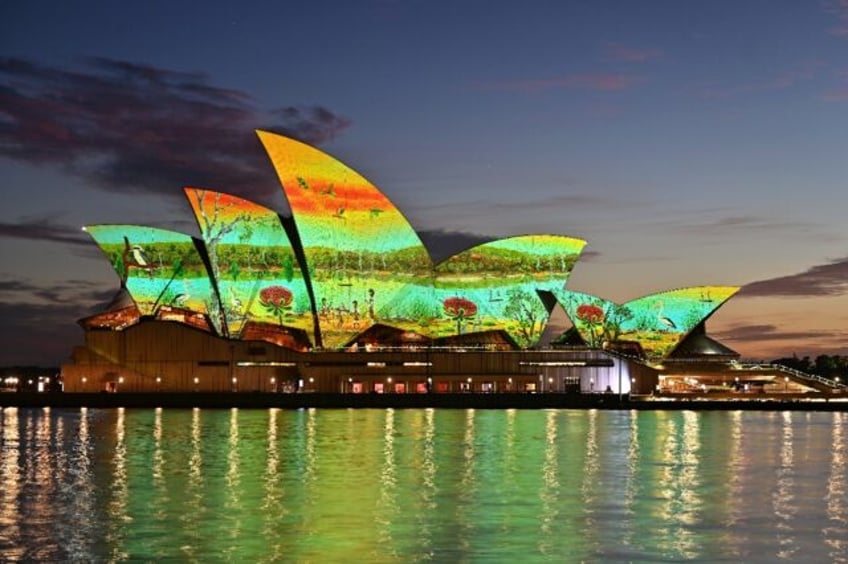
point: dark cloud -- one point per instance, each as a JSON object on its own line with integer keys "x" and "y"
{"x": 37, "y": 321}
{"x": 44, "y": 229}
{"x": 128, "y": 126}
{"x": 757, "y": 333}
{"x": 824, "y": 280}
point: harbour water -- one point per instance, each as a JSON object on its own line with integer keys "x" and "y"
{"x": 422, "y": 484}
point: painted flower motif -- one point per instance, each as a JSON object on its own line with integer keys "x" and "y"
{"x": 459, "y": 309}
{"x": 276, "y": 299}
{"x": 590, "y": 313}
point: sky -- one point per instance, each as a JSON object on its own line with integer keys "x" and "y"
{"x": 689, "y": 143}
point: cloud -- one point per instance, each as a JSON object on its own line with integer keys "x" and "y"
{"x": 779, "y": 81}
{"x": 37, "y": 321}
{"x": 823, "y": 280}
{"x": 44, "y": 229}
{"x": 744, "y": 223}
{"x": 623, "y": 54}
{"x": 132, "y": 127}
{"x": 591, "y": 81}
{"x": 766, "y": 332}
{"x": 839, "y": 9}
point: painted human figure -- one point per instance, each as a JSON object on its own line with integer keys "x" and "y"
{"x": 355, "y": 314}
{"x": 370, "y": 301}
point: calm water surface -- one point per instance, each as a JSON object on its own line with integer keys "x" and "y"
{"x": 410, "y": 485}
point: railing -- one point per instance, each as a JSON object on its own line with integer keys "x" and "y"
{"x": 794, "y": 372}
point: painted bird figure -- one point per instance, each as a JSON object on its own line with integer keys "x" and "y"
{"x": 139, "y": 256}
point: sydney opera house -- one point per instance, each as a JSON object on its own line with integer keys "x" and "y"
{"x": 343, "y": 297}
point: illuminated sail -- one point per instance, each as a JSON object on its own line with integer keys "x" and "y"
{"x": 360, "y": 251}
{"x": 258, "y": 275}
{"x": 493, "y": 286}
{"x": 157, "y": 267}
{"x": 658, "y": 322}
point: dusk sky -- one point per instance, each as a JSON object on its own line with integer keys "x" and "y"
{"x": 688, "y": 142}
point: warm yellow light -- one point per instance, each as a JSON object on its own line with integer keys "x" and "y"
{"x": 273, "y": 380}
{"x": 235, "y": 380}
{"x": 196, "y": 379}
{"x": 121, "y": 380}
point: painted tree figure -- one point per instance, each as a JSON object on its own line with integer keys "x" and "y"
{"x": 214, "y": 229}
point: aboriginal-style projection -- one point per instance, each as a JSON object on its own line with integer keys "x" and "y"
{"x": 157, "y": 267}
{"x": 494, "y": 286}
{"x": 359, "y": 249}
{"x": 252, "y": 260}
{"x": 658, "y": 322}
{"x": 353, "y": 262}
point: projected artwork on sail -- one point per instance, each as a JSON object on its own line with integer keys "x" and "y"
{"x": 158, "y": 267}
{"x": 658, "y": 322}
{"x": 494, "y": 286}
{"x": 359, "y": 249}
{"x": 258, "y": 275}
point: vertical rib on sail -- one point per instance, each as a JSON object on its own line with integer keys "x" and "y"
{"x": 158, "y": 268}
{"x": 252, "y": 260}
{"x": 360, "y": 251}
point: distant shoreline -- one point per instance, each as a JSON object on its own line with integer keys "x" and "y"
{"x": 248, "y": 400}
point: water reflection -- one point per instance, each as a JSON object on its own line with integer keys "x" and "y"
{"x": 836, "y": 530}
{"x": 549, "y": 493}
{"x": 409, "y": 485}
{"x": 783, "y": 498}
{"x": 387, "y": 507}
{"x": 10, "y": 516}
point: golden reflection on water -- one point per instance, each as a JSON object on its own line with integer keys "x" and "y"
{"x": 233, "y": 503}
{"x": 194, "y": 496}
{"x": 549, "y": 492}
{"x": 428, "y": 481}
{"x": 82, "y": 486}
{"x": 118, "y": 517}
{"x": 631, "y": 485}
{"x": 467, "y": 482}
{"x": 387, "y": 506}
{"x": 681, "y": 502}
{"x": 272, "y": 506}
{"x": 783, "y": 497}
{"x": 10, "y": 478}
{"x": 836, "y": 530}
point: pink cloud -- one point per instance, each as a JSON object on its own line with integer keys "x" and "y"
{"x": 592, "y": 81}
{"x": 624, "y": 54}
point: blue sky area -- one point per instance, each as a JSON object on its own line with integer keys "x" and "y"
{"x": 688, "y": 142}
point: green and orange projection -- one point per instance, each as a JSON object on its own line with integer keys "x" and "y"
{"x": 494, "y": 286}
{"x": 363, "y": 264}
{"x": 658, "y": 322}
{"x": 256, "y": 269}
{"x": 360, "y": 250}
{"x": 157, "y": 267}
